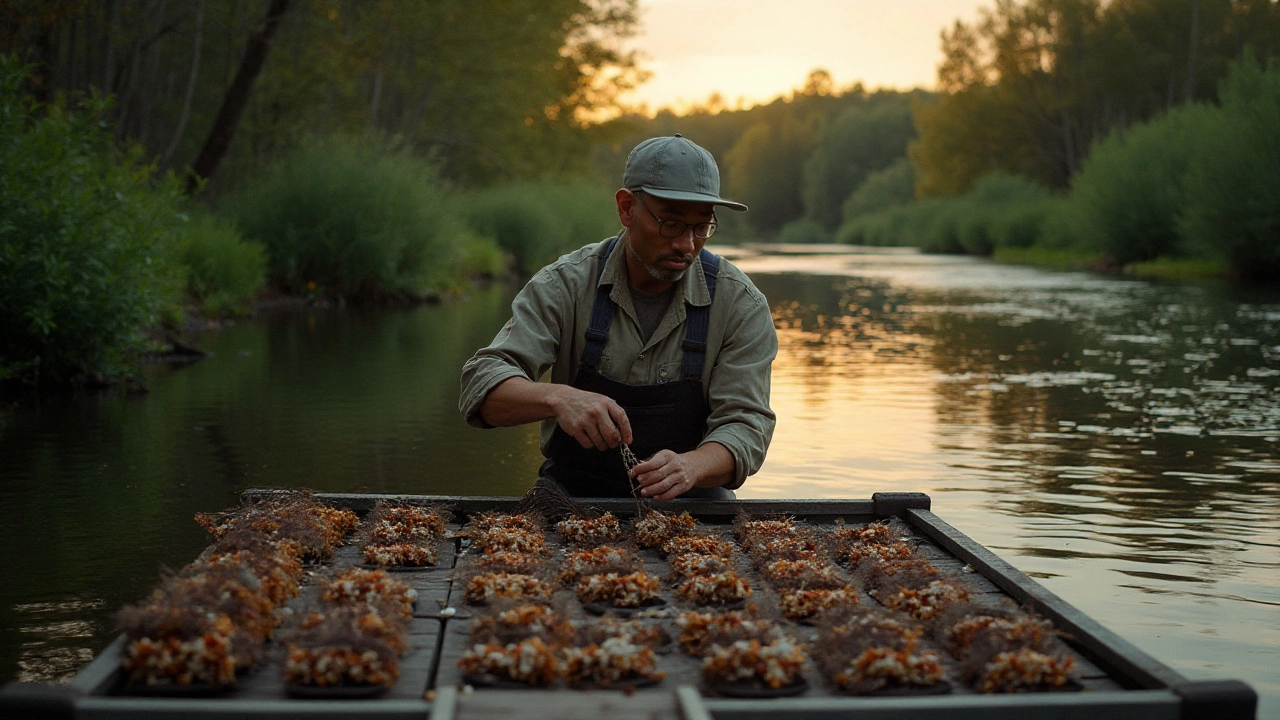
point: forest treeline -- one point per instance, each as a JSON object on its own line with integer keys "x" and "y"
{"x": 159, "y": 155}
{"x": 1138, "y": 133}
{"x": 490, "y": 89}
{"x": 794, "y": 161}
{"x": 164, "y": 155}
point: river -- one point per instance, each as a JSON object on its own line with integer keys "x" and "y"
{"x": 1115, "y": 439}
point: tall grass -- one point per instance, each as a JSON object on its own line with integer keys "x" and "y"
{"x": 353, "y": 218}
{"x": 537, "y": 223}
{"x": 1054, "y": 258}
{"x": 85, "y": 242}
{"x": 223, "y": 270}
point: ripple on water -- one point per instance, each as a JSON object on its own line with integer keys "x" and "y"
{"x": 56, "y": 639}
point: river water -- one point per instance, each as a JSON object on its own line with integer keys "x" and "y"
{"x": 1115, "y": 439}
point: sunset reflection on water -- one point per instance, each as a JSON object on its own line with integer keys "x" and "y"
{"x": 1114, "y": 439}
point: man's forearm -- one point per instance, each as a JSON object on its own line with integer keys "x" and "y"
{"x": 592, "y": 419}
{"x": 516, "y": 401}
{"x": 715, "y": 465}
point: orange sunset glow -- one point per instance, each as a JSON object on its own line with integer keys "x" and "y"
{"x": 751, "y": 51}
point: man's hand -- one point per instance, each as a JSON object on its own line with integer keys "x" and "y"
{"x": 668, "y": 475}
{"x": 593, "y": 420}
{"x": 664, "y": 476}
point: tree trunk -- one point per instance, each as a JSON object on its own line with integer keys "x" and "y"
{"x": 150, "y": 94}
{"x": 41, "y": 81}
{"x": 1192, "y": 51}
{"x": 237, "y": 97}
{"x": 377, "y": 98}
{"x": 107, "y": 48}
{"x": 197, "y": 42}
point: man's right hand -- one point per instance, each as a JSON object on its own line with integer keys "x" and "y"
{"x": 592, "y": 419}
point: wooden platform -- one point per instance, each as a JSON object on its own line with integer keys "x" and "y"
{"x": 1120, "y": 681}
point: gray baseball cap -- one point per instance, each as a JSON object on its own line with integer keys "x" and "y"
{"x": 674, "y": 168}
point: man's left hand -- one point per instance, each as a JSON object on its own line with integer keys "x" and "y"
{"x": 664, "y": 476}
{"x": 669, "y": 474}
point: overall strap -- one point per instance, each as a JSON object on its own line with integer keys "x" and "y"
{"x": 698, "y": 319}
{"x": 601, "y": 317}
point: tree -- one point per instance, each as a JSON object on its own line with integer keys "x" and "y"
{"x": 237, "y": 97}
{"x": 1232, "y": 209}
{"x": 766, "y": 169}
{"x": 818, "y": 82}
{"x": 1032, "y": 86}
{"x": 894, "y": 185}
{"x": 494, "y": 89}
{"x": 86, "y": 241}
{"x": 863, "y": 139}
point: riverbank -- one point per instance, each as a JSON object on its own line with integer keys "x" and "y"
{"x": 1083, "y": 260}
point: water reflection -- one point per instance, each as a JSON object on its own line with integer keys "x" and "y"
{"x": 1116, "y": 439}
{"x": 55, "y": 636}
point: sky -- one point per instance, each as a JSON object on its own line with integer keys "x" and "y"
{"x": 759, "y": 49}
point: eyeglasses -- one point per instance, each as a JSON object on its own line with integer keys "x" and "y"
{"x": 676, "y": 228}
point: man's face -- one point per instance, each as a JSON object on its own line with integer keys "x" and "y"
{"x": 655, "y": 261}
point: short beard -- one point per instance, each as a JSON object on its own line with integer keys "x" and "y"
{"x": 669, "y": 276}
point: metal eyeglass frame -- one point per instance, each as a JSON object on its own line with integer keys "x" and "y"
{"x": 664, "y": 226}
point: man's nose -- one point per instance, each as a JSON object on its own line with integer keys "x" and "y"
{"x": 685, "y": 241}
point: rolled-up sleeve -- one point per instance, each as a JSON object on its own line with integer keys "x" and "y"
{"x": 525, "y": 347}
{"x": 741, "y": 419}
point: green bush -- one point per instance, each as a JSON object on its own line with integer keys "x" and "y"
{"x": 85, "y": 241}
{"x": 894, "y": 185}
{"x": 930, "y": 225}
{"x": 481, "y": 257}
{"x": 537, "y": 223}
{"x": 1001, "y": 210}
{"x": 875, "y": 229}
{"x": 1233, "y": 192}
{"x": 1131, "y": 190}
{"x": 1021, "y": 226}
{"x": 352, "y": 218}
{"x": 971, "y": 225}
{"x": 804, "y": 231}
{"x": 938, "y": 229}
{"x": 1060, "y": 228}
{"x": 223, "y": 270}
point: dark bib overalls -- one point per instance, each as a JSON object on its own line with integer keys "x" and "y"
{"x": 668, "y": 416}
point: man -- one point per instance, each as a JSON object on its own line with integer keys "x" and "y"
{"x": 651, "y": 341}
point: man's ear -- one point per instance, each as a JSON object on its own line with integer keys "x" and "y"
{"x": 628, "y": 204}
